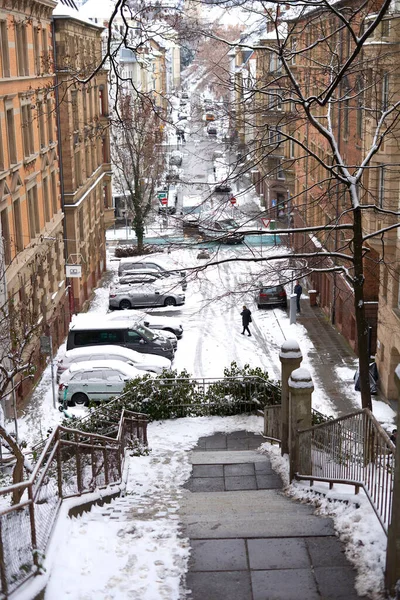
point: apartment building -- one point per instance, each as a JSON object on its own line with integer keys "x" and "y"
{"x": 85, "y": 146}
{"x": 30, "y": 201}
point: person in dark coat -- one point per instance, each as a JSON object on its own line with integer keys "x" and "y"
{"x": 298, "y": 290}
{"x": 246, "y": 319}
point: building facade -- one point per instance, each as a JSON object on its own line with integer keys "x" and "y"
{"x": 84, "y": 147}
{"x": 30, "y": 200}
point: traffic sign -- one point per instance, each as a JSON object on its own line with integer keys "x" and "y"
{"x": 164, "y": 201}
{"x": 233, "y": 200}
{"x": 162, "y": 195}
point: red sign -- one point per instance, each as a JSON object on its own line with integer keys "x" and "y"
{"x": 164, "y": 201}
{"x": 233, "y": 200}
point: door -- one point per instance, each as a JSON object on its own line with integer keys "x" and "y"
{"x": 114, "y": 383}
{"x": 136, "y": 342}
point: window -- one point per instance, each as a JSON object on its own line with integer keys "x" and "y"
{"x": 12, "y": 146}
{"x": 81, "y": 227}
{"x": 294, "y": 50}
{"x": 54, "y": 192}
{"x": 381, "y": 185}
{"x": 359, "y": 118}
{"x": 42, "y": 129}
{"x": 27, "y": 130}
{"x": 89, "y": 338}
{"x": 275, "y": 99}
{"x": 46, "y": 199}
{"x": 19, "y": 242}
{"x": 75, "y": 114}
{"x": 36, "y": 50}
{"x": 385, "y": 91}
{"x": 280, "y": 172}
{"x": 346, "y": 109}
{"x": 78, "y": 168}
{"x": 385, "y": 28}
{"x": 33, "y": 212}
{"x": 45, "y": 51}
{"x": 21, "y": 43}
{"x": 84, "y": 106}
{"x": 102, "y": 101}
{"x": 5, "y": 232}
{"x": 50, "y": 132}
{"x": 4, "y": 52}
{"x": 292, "y": 148}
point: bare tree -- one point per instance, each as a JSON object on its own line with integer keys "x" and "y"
{"x": 137, "y": 157}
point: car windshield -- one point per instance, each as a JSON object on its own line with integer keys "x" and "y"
{"x": 146, "y": 333}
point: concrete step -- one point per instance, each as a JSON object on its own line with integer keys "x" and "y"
{"x": 249, "y": 514}
{"x": 226, "y": 457}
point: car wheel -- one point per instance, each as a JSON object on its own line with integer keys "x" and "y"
{"x": 259, "y": 306}
{"x": 125, "y": 304}
{"x": 80, "y": 398}
{"x": 169, "y": 301}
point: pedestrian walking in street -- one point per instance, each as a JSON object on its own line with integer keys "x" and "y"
{"x": 246, "y": 319}
{"x": 298, "y": 290}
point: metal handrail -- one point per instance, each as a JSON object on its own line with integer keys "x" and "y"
{"x": 65, "y": 468}
{"x": 354, "y": 449}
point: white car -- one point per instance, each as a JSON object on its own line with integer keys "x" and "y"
{"x": 94, "y": 381}
{"x": 152, "y": 321}
{"x": 143, "y": 362}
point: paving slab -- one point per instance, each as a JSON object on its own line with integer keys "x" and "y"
{"x": 239, "y": 469}
{"x": 293, "y": 584}
{"x": 218, "y": 555}
{"x": 245, "y": 482}
{"x": 208, "y": 471}
{"x": 326, "y": 552}
{"x": 228, "y": 585}
{"x": 336, "y": 583}
{"x": 267, "y": 554}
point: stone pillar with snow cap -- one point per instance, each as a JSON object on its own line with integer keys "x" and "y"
{"x": 290, "y": 356}
{"x": 301, "y": 388}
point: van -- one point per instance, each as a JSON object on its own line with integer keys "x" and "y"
{"x": 86, "y": 331}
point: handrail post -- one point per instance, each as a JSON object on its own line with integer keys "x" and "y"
{"x": 59, "y": 468}
{"x": 78, "y": 464}
{"x": 392, "y": 571}
{"x": 3, "y": 568}
{"x": 33, "y": 526}
{"x": 290, "y": 356}
{"x": 300, "y": 390}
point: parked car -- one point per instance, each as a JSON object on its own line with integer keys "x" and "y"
{"x": 144, "y": 295}
{"x": 92, "y": 331}
{"x": 222, "y": 188}
{"x": 152, "y": 321}
{"x": 212, "y": 129}
{"x": 132, "y": 264}
{"x": 176, "y": 158}
{"x": 151, "y": 276}
{"x": 225, "y": 230}
{"x": 185, "y": 95}
{"x": 210, "y": 116}
{"x": 95, "y": 381}
{"x": 173, "y": 174}
{"x": 272, "y": 295}
{"x": 143, "y": 362}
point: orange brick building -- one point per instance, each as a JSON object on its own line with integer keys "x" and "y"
{"x": 30, "y": 201}
{"x": 85, "y": 147}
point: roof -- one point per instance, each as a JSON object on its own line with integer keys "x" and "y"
{"x": 67, "y": 9}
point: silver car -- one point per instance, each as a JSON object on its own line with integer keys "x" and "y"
{"x": 95, "y": 381}
{"x": 143, "y": 295}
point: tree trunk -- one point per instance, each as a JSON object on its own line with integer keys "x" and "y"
{"x": 18, "y": 472}
{"x": 359, "y": 306}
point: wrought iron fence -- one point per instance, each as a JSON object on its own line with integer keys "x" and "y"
{"x": 351, "y": 449}
{"x": 72, "y": 463}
